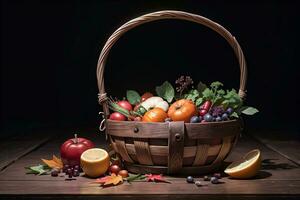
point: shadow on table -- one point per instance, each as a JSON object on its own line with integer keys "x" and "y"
{"x": 270, "y": 164}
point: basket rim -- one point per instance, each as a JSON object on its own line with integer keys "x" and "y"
{"x": 186, "y": 123}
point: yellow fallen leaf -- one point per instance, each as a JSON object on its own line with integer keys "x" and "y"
{"x": 114, "y": 180}
{"x": 58, "y": 161}
{"x": 54, "y": 163}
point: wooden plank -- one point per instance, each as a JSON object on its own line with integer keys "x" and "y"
{"x": 282, "y": 143}
{"x": 19, "y": 146}
{"x": 176, "y": 145}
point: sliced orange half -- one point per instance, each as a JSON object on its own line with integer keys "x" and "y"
{"x": 247, "y": 167}
{"x": 94, "y": 162}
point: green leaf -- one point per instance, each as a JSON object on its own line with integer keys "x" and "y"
{"x": 38, "y": 169}
{"x": 232, "y": 99}
{"x": 208, "y": 94}
{"x": 201, "y": 87}
{"x": 234, "y": 114}
{"x": 248, "y": 110}
{"x": 133, "y": 97}
{"x": 166, "y": 91}
{"x": 192, "y": 95}
{"x": 135, "y": 177}
{"x": 199, "y": 101}
{"x": 215, "y": 85}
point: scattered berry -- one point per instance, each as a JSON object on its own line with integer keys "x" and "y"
{"x": 198, "y": 183}
{"x": 229, "y": 111}
{"x": 54, "y": 173}
{"x": 123, "y": 173}
{"x": 195, "y": 119}
{"x": 217, "y": 175}
{"x": 206, "y": 178}
{"x": 69, "y": 171}
{"x": 208, "y": 117}
{"x": 225, "y": 116}
{"x": 190, "y": 179}
{"x": 218, "y": 119}
{"x": 114, "y": 169}
{"x": 214, "y": 180}
{"x": 76, "y": 172}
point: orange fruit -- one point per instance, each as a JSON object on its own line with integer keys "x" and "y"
{"x": 94, "y": 162}
{"x": 247, "y": 167}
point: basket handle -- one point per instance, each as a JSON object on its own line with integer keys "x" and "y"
{"x": 167, "y": 14}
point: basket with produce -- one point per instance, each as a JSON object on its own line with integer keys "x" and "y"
{"x": 181, "y": 128}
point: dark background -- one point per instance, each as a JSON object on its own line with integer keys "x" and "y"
{"x": 49, "y": 52}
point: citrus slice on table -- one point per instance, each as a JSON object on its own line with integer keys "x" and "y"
{"x": 94, "y": 162}
{"x": 247, "y": 167}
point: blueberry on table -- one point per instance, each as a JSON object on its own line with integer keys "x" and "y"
{"x": 206, "y": 178}
{"x": 217, "y": 175}
{"x": 198, "y": 183}
{"x": 208, "y": 117}
{"x": 195, "y": 119}
{"x": 214, "y": 180}
{"x": 77, "y": 167}
{"x": 190, "y": 179}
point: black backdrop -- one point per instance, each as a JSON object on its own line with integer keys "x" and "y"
{"x": 49, "y": 52}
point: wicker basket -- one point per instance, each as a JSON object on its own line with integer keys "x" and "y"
{"x": 171, "y": 147}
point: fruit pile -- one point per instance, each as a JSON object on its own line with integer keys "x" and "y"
{"x": 188, "y": 104}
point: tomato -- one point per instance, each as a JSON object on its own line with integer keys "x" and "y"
{"x": 206, "y": 106}
{"x": 117, "y": 116}
{"x": 146, "y": 95}
{"x": 114, "y": 169}
{"x": 123, "y": 173}
{"x": 155, "y": 115}
{"x": 125, "y": 104}
{"x": 182, "y": 110}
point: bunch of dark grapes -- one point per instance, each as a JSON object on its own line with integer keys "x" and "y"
{"x": 183, "y": 82}
{"x": 217, "y": 111}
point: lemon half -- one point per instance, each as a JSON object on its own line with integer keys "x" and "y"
{"x": 94, "y": 162}
{"x": 247, "y": 167}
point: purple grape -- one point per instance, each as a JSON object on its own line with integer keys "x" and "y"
{"x": 195, "y": 119}
{"x": 225, "y": 116}
{"x": 217, "y": 111}
{"x": 76, "y": 172}
{"x": 77, "y": 167}
{"x": 208, "y": 117}
{"x": 229, "y": 111}
{"x": 54, "y": 173}
{"x": 69, "y": 171}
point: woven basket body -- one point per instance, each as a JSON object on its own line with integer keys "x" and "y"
{"x": 171, "y": 147}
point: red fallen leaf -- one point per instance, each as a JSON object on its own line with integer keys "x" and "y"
{"x": 155, "y": 178}
{"x": 102, "y": 180}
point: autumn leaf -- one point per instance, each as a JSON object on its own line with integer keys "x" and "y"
{"x": 155, "y": 178}
{"x": 54, "y": 163}
{"x": 113, "y": 179}
{"x": 102, "y": 180}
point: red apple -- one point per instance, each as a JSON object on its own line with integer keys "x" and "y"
{"x": 117, "y": 116}
{"x": 125, "y": 104}
{"x": 71, "y": 150}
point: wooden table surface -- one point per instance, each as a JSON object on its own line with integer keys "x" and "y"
{"x": 279, "y": 177}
